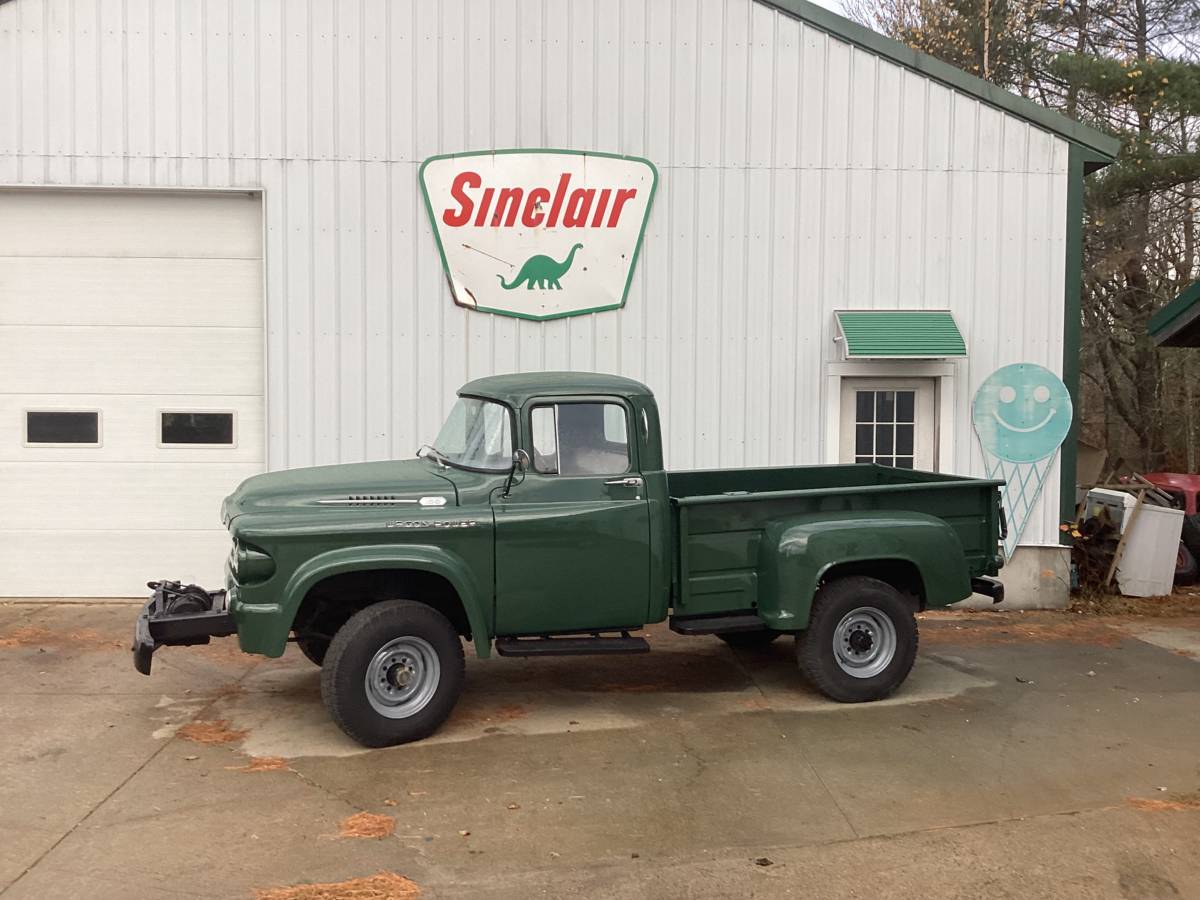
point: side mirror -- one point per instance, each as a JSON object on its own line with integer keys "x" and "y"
{"x": 520, "y": 462}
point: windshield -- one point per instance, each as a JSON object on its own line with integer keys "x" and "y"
{"x": 477, "y": 435}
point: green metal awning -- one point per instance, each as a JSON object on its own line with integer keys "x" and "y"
{"x": 1178, "y": 323}
{"x": 899, "y": 334}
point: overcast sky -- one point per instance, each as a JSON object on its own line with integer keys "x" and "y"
{"x": 830, "y": 4}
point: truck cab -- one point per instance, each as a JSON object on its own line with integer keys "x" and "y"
{"x": 541, "y": 521}
{"x": 577, "y": 525}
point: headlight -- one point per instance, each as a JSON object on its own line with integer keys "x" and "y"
{"x": 251, "y": 564}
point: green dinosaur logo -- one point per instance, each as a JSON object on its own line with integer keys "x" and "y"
{"x": 541, "y": 271}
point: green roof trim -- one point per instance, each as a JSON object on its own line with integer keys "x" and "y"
{"x": 1104, "y": 146}
{"x": 1178, "y": 323}
{"x": 900, "y": 334}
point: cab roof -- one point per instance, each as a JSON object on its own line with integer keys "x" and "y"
{"x": 519, "y": 387}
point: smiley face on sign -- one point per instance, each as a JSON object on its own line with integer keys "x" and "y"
{"x": 1022, "y": 413}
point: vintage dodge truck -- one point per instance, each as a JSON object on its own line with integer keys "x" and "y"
{"x": 541, "y": 521}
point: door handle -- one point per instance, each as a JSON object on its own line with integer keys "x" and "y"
{"x": 633, "y": 481}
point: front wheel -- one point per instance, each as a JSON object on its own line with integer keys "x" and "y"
{"x": 393, "y": 673}
{"x": 861, "y": 640}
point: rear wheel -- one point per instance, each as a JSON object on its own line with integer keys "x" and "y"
{"x": 393, "y": 673}
{"x": 749, "y": 640}
{"x": 861, "y": 640}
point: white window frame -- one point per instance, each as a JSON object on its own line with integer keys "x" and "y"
{"x": 945, "y": 384}
{"x": 25, "y": 442}
{"x": 924, "y": 390}
{"x": 158, "y": 428}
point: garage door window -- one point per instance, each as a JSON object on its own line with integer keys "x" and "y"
{"x": 196, "y": 429}
{"x": 59, "y": 427}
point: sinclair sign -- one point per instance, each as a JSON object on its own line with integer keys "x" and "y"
{"x": 538, "y": 234}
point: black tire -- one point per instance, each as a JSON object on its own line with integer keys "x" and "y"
{"x": 834, "y": 603}
{"x": 749, "y": 640}
{"x": 1186, "y": 568}
{"x": 314, "y": 649}
{"x": 358, "y": 646}
{"x": 1191, "y": 534}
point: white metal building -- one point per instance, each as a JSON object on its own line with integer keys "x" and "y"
{"x": 215, "y": 257}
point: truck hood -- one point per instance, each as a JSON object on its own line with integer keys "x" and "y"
{"x": 349, "y": 485}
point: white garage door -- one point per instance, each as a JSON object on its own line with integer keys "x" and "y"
{"x": 131, "y": 385}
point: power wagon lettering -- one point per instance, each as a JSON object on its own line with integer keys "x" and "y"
{"x": 501, "y": 207}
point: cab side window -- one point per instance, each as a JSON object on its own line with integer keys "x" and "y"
{"x": 580, "y": 439}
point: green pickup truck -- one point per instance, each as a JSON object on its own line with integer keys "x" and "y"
{"x": 541, "y": 522}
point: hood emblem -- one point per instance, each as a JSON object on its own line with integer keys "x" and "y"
{"x": 380, "y": 500}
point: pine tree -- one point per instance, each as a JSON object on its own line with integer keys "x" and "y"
{"x": 1140, "y": 248}
{"x": 1128, "y": 67}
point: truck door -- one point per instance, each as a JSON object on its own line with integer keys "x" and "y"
{"x": 572, "y": 537}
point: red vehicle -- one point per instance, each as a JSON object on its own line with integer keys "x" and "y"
{"x": 1182, "y": 488}
{"x": 1185, "y": 491}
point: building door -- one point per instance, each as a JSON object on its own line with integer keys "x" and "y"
{"x": 889, "y": 422}
{"x": 131, "y": 385}
{"x": 572, "y": 538}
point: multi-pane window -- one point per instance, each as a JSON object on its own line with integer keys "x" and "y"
{"x": 884, "y": 422}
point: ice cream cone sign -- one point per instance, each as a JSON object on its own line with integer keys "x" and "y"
{"x": 1022, "y": 414}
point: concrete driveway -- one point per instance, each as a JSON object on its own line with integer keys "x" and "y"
{"x": 1029, "y": 755}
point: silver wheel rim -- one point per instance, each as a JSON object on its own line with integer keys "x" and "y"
{"x": 864, "y": 642}
{"x": 402, "y": 677}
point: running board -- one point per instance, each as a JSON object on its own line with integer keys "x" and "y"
{"x": 717, "y": 624}
{"x": 570, "y": 646}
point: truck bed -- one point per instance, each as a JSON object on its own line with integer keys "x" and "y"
{"x": 719, "y": 516}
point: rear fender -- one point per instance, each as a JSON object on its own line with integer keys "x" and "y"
{"x": 264, "y": 628}
{"x": 797, "y": 553}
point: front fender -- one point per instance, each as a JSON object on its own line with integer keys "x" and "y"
{"x": 263, "y": 628}
{"x": 797, "y": 552}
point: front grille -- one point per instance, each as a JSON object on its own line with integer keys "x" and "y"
{"x": 365, "y": 500}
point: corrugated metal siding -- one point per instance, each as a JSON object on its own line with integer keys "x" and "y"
{"x": 798, "y": 176}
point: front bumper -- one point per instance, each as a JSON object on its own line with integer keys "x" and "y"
{"x": 180, "y": 615}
